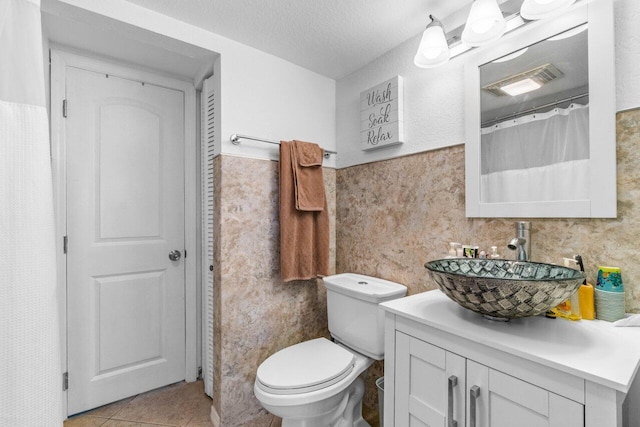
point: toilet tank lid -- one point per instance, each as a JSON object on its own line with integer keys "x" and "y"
{"x": 365, "y": 287}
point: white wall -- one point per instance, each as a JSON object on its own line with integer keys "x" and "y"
{"x": 266, "y": 97}
{"x": 261, "y": 95}
{"x": 434, "y": 98}
{"x": 433, "y": 106}
{"x": 627, "y": 39}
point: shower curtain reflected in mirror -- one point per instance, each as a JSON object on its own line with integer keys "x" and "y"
{"x": 527, "y": 159}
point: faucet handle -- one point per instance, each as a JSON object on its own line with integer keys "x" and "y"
{"x": 515, "y": 242}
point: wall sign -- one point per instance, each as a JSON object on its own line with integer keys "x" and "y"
{"x": 381, "y": 115}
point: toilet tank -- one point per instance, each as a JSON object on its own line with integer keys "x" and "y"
{"x": 355, "y": 319}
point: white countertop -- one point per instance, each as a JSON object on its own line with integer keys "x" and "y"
{"x": 590, "y": 349}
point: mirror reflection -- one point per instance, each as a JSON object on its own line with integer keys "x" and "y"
{"x": 535, "y": 122}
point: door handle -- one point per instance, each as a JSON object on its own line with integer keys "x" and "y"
{"x": 474, "y": 392}
{"x": 175, "y": 255}
{"x": 453, "y": 381}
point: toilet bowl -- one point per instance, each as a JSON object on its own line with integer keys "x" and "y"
{"x": 318, "y": 383}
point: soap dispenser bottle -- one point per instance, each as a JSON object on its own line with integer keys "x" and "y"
{"x": 585, "y": 295}
{"x": 570, "y": 309}
{"x": 453, "y": 246}
{"x": 494, "y": 253}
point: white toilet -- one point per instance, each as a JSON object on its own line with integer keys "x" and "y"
{"x": 317, "y": 383}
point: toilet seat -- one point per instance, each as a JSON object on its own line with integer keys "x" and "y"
{"x": 305, "y": 367}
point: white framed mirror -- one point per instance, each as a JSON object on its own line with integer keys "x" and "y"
{"x": 547, "y": 150}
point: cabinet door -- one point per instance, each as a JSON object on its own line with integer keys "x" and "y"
{"x": 505, "y": 401}
{"x": 430, "y": 384}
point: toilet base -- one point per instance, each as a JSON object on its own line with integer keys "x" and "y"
{"x": 346, "y": 412}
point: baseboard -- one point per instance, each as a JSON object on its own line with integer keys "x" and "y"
{"x": 215, "y": 418}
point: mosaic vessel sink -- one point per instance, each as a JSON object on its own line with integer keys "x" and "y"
{"x": 504, "y": 289}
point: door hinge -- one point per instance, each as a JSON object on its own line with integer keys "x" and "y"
{"x": 185, "y": 254}
{"x": 65, "y": 381}
{"x": 65, "y": 244}
{"x": 64, "y": 108}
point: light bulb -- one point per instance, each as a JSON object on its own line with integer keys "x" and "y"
{"x": 433, "y": 50}
{"x": 540, "y": 9}
{"x": 485, "y": 23}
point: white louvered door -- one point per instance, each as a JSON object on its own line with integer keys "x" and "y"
{"x": 209, "y": 149}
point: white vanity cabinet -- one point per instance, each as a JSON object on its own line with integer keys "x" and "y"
{"x": 504, "y": 401}
{"x": 448, "y": 367}
{"x": 435, "y": 387}
{"x": 430, "y": 384}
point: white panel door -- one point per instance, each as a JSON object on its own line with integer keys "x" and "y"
{"x": 125, "y": 213}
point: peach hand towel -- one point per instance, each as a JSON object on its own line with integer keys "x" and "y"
{"x": 307, "y": 176}
{"x": 304, "y": 235}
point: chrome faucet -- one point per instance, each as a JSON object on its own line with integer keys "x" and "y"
{"x": 522, "y": 242}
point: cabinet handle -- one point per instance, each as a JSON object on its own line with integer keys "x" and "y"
{"x": 453, "y": 381}
{"x": 474, "y": 392}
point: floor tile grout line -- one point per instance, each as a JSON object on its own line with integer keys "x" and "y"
{"x": 144, "y": 423}
{"x": 127, "y": 406}
{"x": 129, "y": 411}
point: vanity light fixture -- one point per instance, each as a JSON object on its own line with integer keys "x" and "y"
{"x": 540, "y": 9}
{"x": 433, "y": 50}
{"x": 485, "y": 23}
{"x": 457, "y": 47}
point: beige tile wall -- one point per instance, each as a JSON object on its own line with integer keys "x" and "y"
{"x": 394, "y": 215}
{"x": 388, "y": 217}
{"x": 256, "y": 313}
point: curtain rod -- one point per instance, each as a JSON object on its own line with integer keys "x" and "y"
{"x": 235, "y": 140}
{"x": 532, "y": 110}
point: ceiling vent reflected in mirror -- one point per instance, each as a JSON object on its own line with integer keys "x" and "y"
{"x": 524, "y": 82}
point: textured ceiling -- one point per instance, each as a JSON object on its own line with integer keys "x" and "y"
{"x": 331, "y": 37}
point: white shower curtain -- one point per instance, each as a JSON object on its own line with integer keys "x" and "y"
{"x": 30, "y": 369}
{"x": 528, "y": 158}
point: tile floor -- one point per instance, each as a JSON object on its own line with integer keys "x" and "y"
{"x": 371, "y": 416}
{"x": 268, "y": 420}
{"x": 181, "y": 404}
